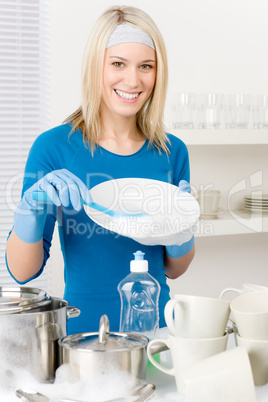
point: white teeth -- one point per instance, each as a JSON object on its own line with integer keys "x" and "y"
{"x": 126, "y": 95}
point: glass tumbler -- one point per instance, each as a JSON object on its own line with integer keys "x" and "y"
{"x": 183, "y": 110}
{"x": 260, "y": 111}
{"x": 238, "y": 111}
{"x": 210, "y": 107}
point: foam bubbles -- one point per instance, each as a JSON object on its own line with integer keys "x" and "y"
{"x": 20, "y": 361}
{"x": 113, "y": 387}
{"x": 98, "y": 388}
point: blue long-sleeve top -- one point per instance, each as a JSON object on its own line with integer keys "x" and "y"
{"x": 96, "y": 259}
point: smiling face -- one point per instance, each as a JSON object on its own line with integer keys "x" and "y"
{"x": 129, "y": 74}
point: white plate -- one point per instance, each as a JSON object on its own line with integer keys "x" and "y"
{"x": 170, "y": 214}
{"x": 260, "y": 210}
{"x": 255, "y": 202}
{"x": 256, "y": 207}
{"x": 257, "y": 197}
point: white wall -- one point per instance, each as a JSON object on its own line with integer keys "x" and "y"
{"x": 213, "y": 46}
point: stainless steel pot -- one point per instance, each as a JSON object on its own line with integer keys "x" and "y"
{"x": 98, "y": 353}
{"x": 29, "y": 339}
{"x": 21, "y": 298}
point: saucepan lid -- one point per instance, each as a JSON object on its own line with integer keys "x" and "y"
{"x": 20, "y": 298}
{"x": 104, "y": 341}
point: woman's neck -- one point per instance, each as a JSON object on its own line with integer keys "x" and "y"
{"x": 121, "y": 137}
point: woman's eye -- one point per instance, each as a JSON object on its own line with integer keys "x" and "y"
{"x": 146, "y": 66}
{"x": 118, "y": 64}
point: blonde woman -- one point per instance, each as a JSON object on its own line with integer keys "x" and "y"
{"x": 117, "y": 132}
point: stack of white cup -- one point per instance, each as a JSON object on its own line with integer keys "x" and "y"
{"x": 250, "y": 313}
{"x": 197, "y": 340}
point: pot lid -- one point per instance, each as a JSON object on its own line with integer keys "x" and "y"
{"x": 18, "y": 299}
{"x": 116, "y": 341}
{"x": 104, "y": 341}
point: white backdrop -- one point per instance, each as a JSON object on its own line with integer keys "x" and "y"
{"x": 213, "y": 46}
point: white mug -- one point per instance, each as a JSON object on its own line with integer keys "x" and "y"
{"x": 247, "y": 287}
{"x": 196, "y": 316}
{"x": 224, "y": 377}
{"x": 250, "y": 311}
{"x": 258, "y": 355}
{"x": 184, "y": 353}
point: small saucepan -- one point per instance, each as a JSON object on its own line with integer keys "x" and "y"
{"x": 100, "y": 353}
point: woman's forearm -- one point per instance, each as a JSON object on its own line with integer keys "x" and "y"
{"x": 175, "y": 267}
{"x": 24, "y": 259}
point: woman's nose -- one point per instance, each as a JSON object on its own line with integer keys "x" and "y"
{"x": 132, "y": 77}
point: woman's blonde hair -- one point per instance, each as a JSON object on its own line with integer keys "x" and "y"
{"x": 150, "y": 116}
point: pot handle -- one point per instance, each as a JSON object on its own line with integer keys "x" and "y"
{"x": 104, "y": 329}
{"x": 72, "y": 312}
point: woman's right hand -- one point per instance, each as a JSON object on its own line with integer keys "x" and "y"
{"x": 63, "y": 188}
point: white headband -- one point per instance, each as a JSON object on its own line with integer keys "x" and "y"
{"x": 126, "y": 33}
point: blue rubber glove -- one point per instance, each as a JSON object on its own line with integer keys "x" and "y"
{"x": 178, "y": 251}
{"x": 185, "y": 186}
{"x": 63, "y": 188}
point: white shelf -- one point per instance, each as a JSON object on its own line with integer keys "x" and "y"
{"x": 228, "y": 222}
{"x": 234, "y": 223}
{"x": 222, "y": 136}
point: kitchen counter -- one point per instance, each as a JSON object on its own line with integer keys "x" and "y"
{"x": 165, "y": 385}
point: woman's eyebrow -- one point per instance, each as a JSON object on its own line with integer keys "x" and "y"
{"x": 122, "y": 58}
{"x": 149, "y": 61}
{"x": 117, "y": 57}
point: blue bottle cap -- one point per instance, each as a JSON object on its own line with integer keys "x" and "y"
{"x": 139, "y": 255}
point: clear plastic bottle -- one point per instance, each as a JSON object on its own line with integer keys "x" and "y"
{"x": 139, "y": 293}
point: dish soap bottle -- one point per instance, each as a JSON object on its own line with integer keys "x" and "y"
{"x": 139, "y": 293}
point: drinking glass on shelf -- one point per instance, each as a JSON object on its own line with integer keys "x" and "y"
{"x": 238, "y": 111}
{"x": 183, "y": 110}
{"x": 260, "y": 111}
{"x": 210, "y": 108}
